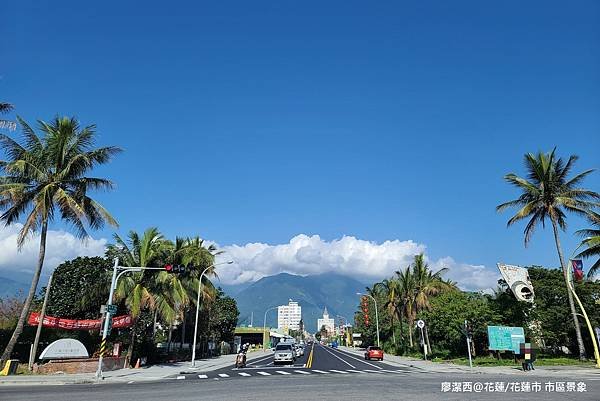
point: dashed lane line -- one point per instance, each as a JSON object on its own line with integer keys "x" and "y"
{"x": 319, "y": 371}
{"x": 373, "y": 371}
{"x": 244, "y": 374}
{"x": 264, "y": 373}
{"x": 343, "y": 360}
{"x": 223, "y": 375}
{"x": 180, "y": 377}
{"x": 304, "y": 372}
{"x": 357, "y": 359}
{"x": 202, "y": 377}
{"x": 338, "y": 371}
{"x": 354, "y": 371}
{"x": 283, "y": 372}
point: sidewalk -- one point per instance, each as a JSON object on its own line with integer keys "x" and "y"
{"x": 146, "y": 373}
{"x": 442, "y": 367}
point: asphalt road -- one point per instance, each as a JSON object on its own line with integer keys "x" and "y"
{"x": 332, "y": 375}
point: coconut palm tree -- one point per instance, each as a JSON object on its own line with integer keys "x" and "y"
{"x": 592, "y": 244}
{"x": 5, "y": 107}
{"x": 389, "y": 291}
{"x": 547, "y": 193}
{"x": 151, "y": 290}
{"x": 406, "y": 293}
{"x": 44, "y": 178}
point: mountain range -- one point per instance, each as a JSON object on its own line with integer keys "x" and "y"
{"x": 314, "y": 293}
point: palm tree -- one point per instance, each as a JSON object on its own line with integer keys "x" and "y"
{"x": 389, "y": 291}
{"x": 592, "y": 244}
{"x": 548, "y": 193}
{"x": 147, "y": 289}
{"x": 46, "y": 176}
{"x": 5, "y": 107}
{"x": 406, "y": 292}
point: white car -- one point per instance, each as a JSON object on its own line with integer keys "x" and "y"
{"x": 284, "y": 353}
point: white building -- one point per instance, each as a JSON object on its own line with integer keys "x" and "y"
{"x": 327, "y": 322}
{"x": 289, "y": 316}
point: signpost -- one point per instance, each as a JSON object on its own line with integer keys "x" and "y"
{"x": 503, "y": 338}
{"x": 468, "y": 335}
{"x": 420, "y": 325}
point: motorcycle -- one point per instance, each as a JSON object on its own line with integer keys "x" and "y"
{"x": 240, "y": 360}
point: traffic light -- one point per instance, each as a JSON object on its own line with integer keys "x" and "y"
{"x": 171, "y": 268}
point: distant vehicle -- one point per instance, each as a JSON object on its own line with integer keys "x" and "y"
{"x": 374, "y": 353}
{"x": 284, "y": 353}
{"x": 333, "y": 344}
{"x": 299, "y": 350}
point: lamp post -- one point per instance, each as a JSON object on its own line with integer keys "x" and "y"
{"x": 265, "y": 326}
{"x": 376, "y": 314}
{"x": 193, "y": 363}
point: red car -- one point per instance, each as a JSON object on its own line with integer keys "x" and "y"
{"x": 374, "y": 353}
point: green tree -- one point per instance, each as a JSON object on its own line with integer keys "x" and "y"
{"x": 389, "y": 289}
{"x": 79, "y": 287}
{"x": 223, "y": 318}
{"x": 45, "y": 176}
{"x": 157, "y": 291}
{"x": 548, "y": 193}
{"x": 591, "y": 243}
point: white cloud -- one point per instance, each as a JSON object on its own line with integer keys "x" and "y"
{"x": 61, "y": 246}
{"x": 349, "y": 256}
{"x": 469, "y": 277}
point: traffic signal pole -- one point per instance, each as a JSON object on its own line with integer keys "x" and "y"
{"x": 107, "y": 316}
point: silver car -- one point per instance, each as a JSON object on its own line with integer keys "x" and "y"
{"x": 284, "y": 353}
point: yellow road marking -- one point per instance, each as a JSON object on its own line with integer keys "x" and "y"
{"x": 310, "y": 357}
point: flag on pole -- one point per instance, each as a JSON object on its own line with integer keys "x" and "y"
{"x": 577, "y": 265}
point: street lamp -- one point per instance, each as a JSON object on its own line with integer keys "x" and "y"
{"x": 265, "y": 326}
{"x": 198, "y": 306}
{"x": 376, "y": 314}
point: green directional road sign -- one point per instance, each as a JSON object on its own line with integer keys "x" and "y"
{"x": 112, "y": 309}
{"x": 503, "y": 338}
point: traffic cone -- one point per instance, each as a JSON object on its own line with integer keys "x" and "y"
{"x": 137, "y": 364}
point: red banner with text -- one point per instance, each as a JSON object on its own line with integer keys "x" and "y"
{"x": 118, "y": 322}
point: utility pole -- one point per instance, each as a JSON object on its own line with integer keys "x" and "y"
{"x": 468, "y": 343}
{"x": 40, "y": 323}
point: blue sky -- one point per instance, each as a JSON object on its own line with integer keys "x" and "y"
{"x": 258, "y": 121}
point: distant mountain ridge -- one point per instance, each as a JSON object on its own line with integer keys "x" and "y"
{"x": 313, "y": 293}
{"x": 11, "y": 288}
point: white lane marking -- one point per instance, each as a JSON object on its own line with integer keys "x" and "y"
{"x": 372, "y": 371}
{"x": 358, "y": 359}
{"x": 338, "y": 371}
{"x": 244, "y": 374}
{"x": 318, "y": 371}
{"x": 131, "y": 382}
{"x": 264, "y": 373}
{"x": 353, "y": 367}
{"x": 180, "y": 377}
{"x": 302, "y": 372}
{"x": 282, "y": 372}
{"x": 223, "y": 375}
{"x": 202, "y": 377}
{"x": 354, "y": 371}
{"x": 392, "y": 371}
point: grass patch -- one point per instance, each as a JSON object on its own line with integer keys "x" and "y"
{"x": 540, "y": 361}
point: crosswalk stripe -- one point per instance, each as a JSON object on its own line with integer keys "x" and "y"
{"x": 180, "y": 377}
{"x": 223, "y": 375}
{"x": 281, "y": 372}
{"x": 354, "y": 371}
{"x": 392, "y": 371}
{"x": 302, "y": 372}
{"x": 264, "y": 373}
{"x": 338, "y": 371}
{"x": 202, "y": 377}
{"x": 244, "y": 374}
{"x": 372, "y": 371}
{"x": 318, "y": 371}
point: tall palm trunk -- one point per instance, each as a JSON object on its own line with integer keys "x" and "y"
{"x": 183, "y": 323}
{"x": 582, "y": 353}
{"x": 131, "y": 344}
{"x": 34, "y": 282}
{"x": 393, "y": 330}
